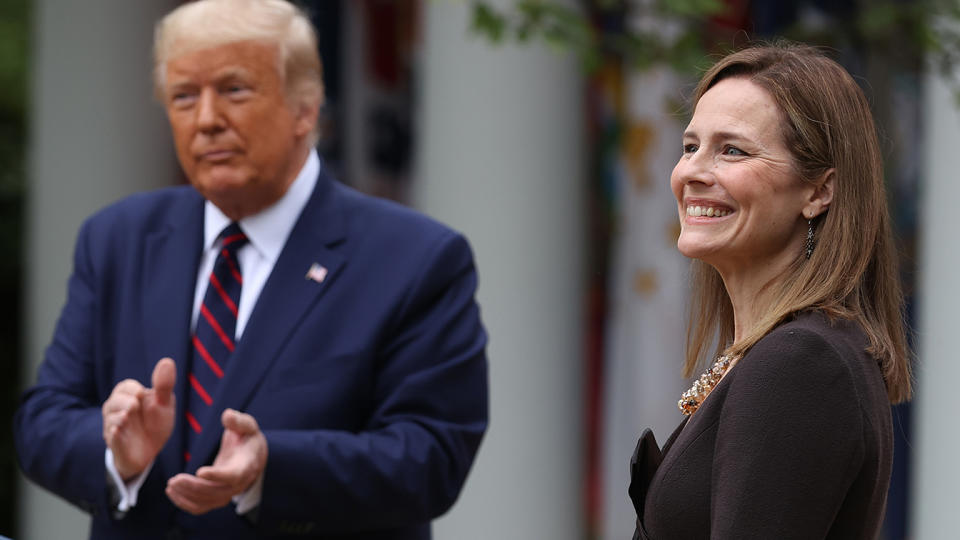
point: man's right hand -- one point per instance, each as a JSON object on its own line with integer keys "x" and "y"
{"x": 137, "y": 421}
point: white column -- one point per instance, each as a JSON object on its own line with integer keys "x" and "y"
{"x": 502, "y": 160}
{"x": 936, "y": 472}
{"x": 96, "y": 135}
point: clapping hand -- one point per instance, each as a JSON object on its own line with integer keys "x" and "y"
{"x": 241, "y": 460}
{"x": 137, "y": 421}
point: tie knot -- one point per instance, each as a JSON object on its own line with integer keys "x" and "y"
{"x": 233, "y": 237}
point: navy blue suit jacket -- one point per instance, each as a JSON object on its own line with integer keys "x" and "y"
{"x": 370, "y": 386}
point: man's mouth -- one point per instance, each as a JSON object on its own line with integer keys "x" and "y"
{"x": 217, "y": 155}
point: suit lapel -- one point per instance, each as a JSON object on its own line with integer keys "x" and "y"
{"x": 287, "y": 296}
{"x": 171, "y": 257}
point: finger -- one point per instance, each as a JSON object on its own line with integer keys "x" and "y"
{"x": 129, "y": 386}
{"x": 116, "y": 430}
{"x": 124, "y": 391}
{"x": 205, "y": 493}
{"x": 194, "y": 485}
{"x": 115, "y": 434}
{"x": 181, "y": 503}
{"x": 163, "y": 379}
{"x": 116, "y": 420}
{"x": 200, "y": 497}
{"x": 225, "y": 476}
{"x": 242, "y": 423}
{"x": 184, "y": 502}
{"x": 121, "y": 403}
{"x": 111, "y": 435}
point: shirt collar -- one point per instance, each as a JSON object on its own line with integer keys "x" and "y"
{"x": 268, "y": 229}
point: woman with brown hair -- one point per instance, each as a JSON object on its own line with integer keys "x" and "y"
{"x": 782, "y": 207}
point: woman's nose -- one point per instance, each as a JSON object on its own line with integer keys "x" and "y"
{"x": 695, "y": 167}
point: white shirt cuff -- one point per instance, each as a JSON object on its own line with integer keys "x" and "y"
{"x": 128, "y": 490}
{"x": 250, "y": 499}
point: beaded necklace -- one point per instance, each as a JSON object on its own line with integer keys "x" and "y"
{"x": 691, "y": 399}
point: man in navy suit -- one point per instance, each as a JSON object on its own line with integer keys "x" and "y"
{"x": 316, "y": 370}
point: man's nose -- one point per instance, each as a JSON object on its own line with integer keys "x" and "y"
{"x": 208, "y": 111}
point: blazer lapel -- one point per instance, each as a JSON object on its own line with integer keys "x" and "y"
{"x": 171, "y": 257}
{"x": 289, "y": 293}
{"x": 694, "y": 425}
{"x": 673, "y": 436}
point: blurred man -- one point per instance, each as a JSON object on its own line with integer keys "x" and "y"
{"x": 267, "y": 352}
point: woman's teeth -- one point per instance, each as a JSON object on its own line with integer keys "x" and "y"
{"x": 706, "y": 211}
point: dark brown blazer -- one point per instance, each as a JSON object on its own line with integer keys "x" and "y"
{"x": 795, "y": 442}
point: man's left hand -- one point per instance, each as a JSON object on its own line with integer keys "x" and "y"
{"x": 241, "y": 460}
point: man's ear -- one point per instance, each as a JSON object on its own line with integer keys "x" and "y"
{"x": 307, "y": 113}
{"x": 821, "y": 196}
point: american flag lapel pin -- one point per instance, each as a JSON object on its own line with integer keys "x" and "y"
{"x": 317, "y": 272}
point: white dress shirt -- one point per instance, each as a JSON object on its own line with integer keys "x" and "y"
{"x": 267, "y": 231}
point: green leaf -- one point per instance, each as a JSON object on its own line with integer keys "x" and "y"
{"x": 488, "y": 22}
{"x": 879, "y": 19}
{"x": 696, "y": 9}
{"x": 687, "y": 54}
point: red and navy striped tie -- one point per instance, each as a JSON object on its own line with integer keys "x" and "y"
{"x": 214, "y": 338}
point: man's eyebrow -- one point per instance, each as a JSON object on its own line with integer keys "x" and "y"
{"x": 231, "y": 73}
{"x": 224, "y": 74}
{"x": 180, "y": 83}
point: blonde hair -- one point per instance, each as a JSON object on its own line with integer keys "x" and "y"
{"x": 853, "y": 272}
{"x": 205, "y": 24}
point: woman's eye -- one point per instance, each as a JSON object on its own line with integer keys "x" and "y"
{"x": 689, "y": 148}
{"x": 733, "y": 151}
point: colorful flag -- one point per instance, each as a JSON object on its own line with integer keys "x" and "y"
{"x": 317, "y": 272}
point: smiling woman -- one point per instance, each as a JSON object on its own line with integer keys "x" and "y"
{"x": 753, "y": 205}
{"x": 780, "y": 195}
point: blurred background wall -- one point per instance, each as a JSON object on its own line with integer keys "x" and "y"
{"x": 95, "y": 135}
{"x": 558, "y": 176}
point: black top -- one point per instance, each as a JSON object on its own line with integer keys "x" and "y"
{"x": 795, "y": 442}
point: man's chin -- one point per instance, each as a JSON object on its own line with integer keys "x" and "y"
{"x": 221, "y": 189}
{"x": 220, "y": 182}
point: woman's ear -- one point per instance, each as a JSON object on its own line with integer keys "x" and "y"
{"x": 821, "y": 196}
